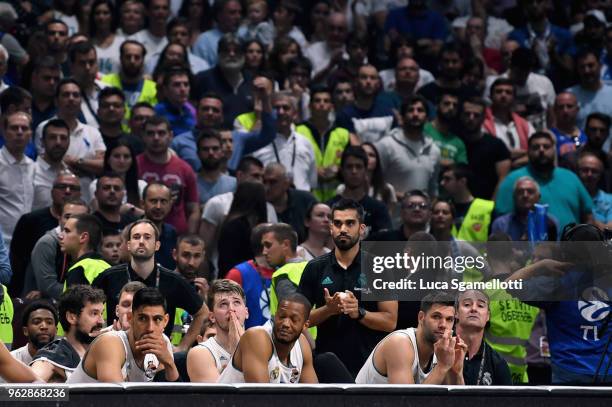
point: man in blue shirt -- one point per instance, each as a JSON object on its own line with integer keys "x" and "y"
{"x": 428, "y": 28}
{"x": 228, "y": 14}
{"x": 561, "y": 189}
{"x": 592, "y": 94}
{"x": 590, "y": 171}
{"x": 553, "y": 45}
{"x": 210, "y": 116}
{"x": 175, "y": 107}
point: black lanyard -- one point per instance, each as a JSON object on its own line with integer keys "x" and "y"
{"x": 127, "y": 270}
{"x": 292, "y": 157}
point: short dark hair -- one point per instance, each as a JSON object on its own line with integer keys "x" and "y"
{"x": 176, "y": 22}
{"x": 140, "y": 222}
{"x": 175, "y": 70}
{"x": 111, "y": 91}
{"x": 55, "y": 123}
{"x": 345, "y": 204}
{"x": 541, "y": 134}
{"x": 441, "y": 297}
{"x": 283, "y": 231}
{"x": 132, "y": 42}
{"x": 474, "y": 100}
{"x": 74, "y": 300}
{"x": 299, "y": 62}
{"x": 318, "y": 88}
{"x": 356, "y": 152}
{"x": 157, "y": 120}
{"x": 13, "y": 95}
{"x": 55, "y": 21}
{"x": 417, "y": 192}
{"x": 192, "y": 239}
{"x": 247, "y": 162}
{"x": 502, "y": 82}
{"x": 109, "y": 174}
{"x": 90, "y": 224}
{"x": 63, "y": 82}
{"x": 35, "y": 306}
{"x": 222, "y": 286}
{"x": 584, "y": 52}
{"x": 206, "y": 134}
{"x": 148, "y": 296}
{"x": 140, "y": 105}
{"x": 602, "y": 117}
{"x": 300, "y": 299}
{"x": 256, "y": 234}
{"x": 210, "y": 95}
{"x": 81, "y": 47}
{"x": 461, "y": 170}
{"x": 411, "y": 101}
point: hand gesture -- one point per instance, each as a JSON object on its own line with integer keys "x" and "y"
{"x": 461, "y": 349}
{"x": 444, "y": 349}
{"x": 155, "y": 344}
{"x": 332, "y": 303}
{"x": 235, "y": 331}
{"x": 349, "y": 304}
{"x": 201, "y": 286}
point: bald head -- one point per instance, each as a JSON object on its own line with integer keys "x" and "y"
{"x": 337, "y": 29}
{"x": 566, "y": 110}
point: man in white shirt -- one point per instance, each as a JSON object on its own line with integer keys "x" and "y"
{"x": 85, "y": 155}
{"x": 154, "y": 37}
{"x": 16, "y": 173}
{"x": 39, "y": 321}
{"x": 325, "y": 55}
{"x": 55, "y": 140}
{"x": 290, "y": 148}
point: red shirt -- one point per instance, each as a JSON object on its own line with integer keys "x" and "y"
{"x": 181, "y": 180}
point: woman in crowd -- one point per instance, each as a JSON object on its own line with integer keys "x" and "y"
{"x": 254, "y": 57}
{"x": 379, "y": 189}
{"x": 247, "y": 211}
{"x": 319, "y": 239}
{"x": 120, "y": 159}
{"x": 284, "y": 50}
{"x": 199, "y": 15}
{"x": 102, "y": 31}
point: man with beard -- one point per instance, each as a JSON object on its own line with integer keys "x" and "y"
{"x": 124, "y": 356}
{"x": 592, "y": 93}
{"x": 428, "y": 354}
{"x": 56, "y": 38}
{"x": 452, "y": 148}
{"x": 347, "y": 326}
{"x": 408, "y": 159}
{"x": 371, "y": 114}
{"x": 567, "y": 199}
{"x": 228, "y": 311}
{"x": 38, "y": 321}
{"x": 275, "y": 353}
{"x": 210, "y": 117}
{"x": 157, "y": 202}
{"x": 130, "y": 78}
{"x": 487, "y": 155}
{"x": 227, "y": 80}
{"x": 110, "y": 190}
{"x": 483, "y": 366}
{"x": 211, "y": 181}
{"x": 80, "y": 315}
{"x": 502, "y": 122}
{"x": 142, "y": 244}
{"x": 189, "y": 258}
{"x": 175, "y": 88}
{"x": 80, "y": 239}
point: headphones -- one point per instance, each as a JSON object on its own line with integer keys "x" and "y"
{"x": 572, "y": 228}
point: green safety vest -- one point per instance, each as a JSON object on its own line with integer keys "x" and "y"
{"x": 247, "y": 120}
{"x": 509, "y": 330}
{"x": 475, "y": 226}
{"x": 92, "y": 268}
{"x": 177, "y": 327}
{"x": 6, "y": 319}
{"x": 147, "y": 94}
{"x": 293, "y": 271}
{"x": 339, "y": 138}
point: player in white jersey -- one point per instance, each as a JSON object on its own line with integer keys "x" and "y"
{"x": 120, "y": 356}
{"x": 428, "y": 354}
{"x": 226, "y": 302}
{"x": 276, "y": 352}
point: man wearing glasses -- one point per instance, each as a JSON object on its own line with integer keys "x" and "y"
{"x": 415, "y": 215}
